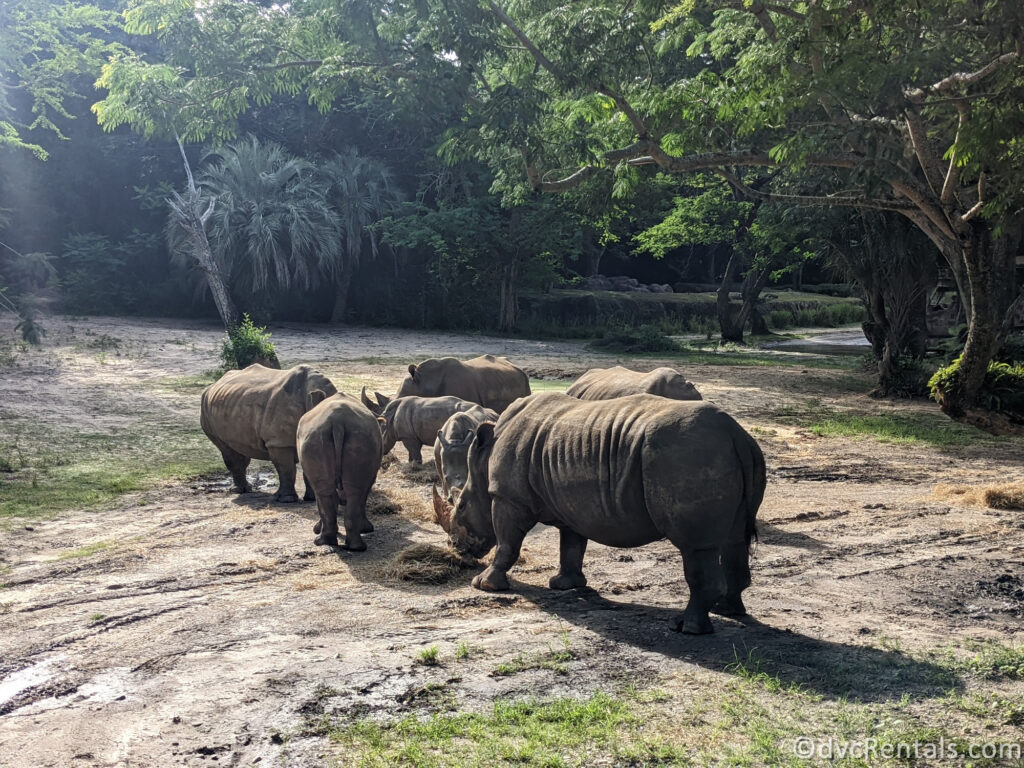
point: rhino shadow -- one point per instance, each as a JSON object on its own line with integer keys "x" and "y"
{"x": 775, "y": 536}
{"x": 745, "y": 646}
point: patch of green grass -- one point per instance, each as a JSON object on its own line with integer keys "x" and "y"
{"x": 86, "y": 551}
{"x": 428, "y": 656}
{"x": 548, "y": 385}
{"x": 752, "y": 669}
{"x": 58, "y": 469}
{"x": 933, "y": 429}
{"x": 462, "y": 652}
{"x": 990, "y": 660}
{"x": 563, "y": 732}
{"x": 96, "y": 617}
{"x": 553, "y": 660}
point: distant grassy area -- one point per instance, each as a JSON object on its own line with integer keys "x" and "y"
{"x": 906, "y": 427}
{"x": 44, "y": 469}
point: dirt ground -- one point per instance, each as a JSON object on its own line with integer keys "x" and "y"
{"x": 207, "y": 629}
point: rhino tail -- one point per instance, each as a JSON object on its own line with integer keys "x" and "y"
{"x": 338, "y": 435}
{"x": 755, "y": 478}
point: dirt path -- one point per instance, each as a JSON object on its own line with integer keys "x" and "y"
{"x": 206, "y": 629}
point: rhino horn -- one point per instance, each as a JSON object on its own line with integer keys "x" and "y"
{"x": 442, "y": 512}
{"x": 382, "y": 400}
{"x": 469, "y": 437}
{"x": 375, "y": 407}
{"x": 445, "y": 445}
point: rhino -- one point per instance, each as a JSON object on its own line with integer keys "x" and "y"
{"x": 451, "y": 449}
{"x": 253, "y": 414}
{"x": 339, "y": 446}
{"x": 606, "y": 383}
{"x": 623, "y": 472}
{"x": 490, "y": 381}
{"x": 415, "y": 421}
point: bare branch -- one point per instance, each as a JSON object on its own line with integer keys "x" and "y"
{"x": 953, "y": 174}
{"x": 568, "y": 182}
{"x": 818, "y": 200}
{"x": 537, "y": 54}
{"x": 926, "y": 156}
{"x": 627, "y": 109}
{"x": 909, "y": 191}
{"x": 960, "y": 78}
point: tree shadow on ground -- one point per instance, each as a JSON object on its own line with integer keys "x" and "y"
{"x": 834, "y": 670}
{"x": 776, "y": 536}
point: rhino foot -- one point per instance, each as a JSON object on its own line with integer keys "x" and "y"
{"x": 730, "y": 606}
{"x": 690, "y": 625}
{"x": 367, "y": 527}
{"x": 491, "y": 580}
{"x": 241, "y": 488}
{"x": 286, "y": 498}
{"x": 354, "y": 545}
{"x": 330, "y": 540}
{"x": 568, "y": 581}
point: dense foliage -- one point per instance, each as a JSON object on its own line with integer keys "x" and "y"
{"x": 395, "y": 151}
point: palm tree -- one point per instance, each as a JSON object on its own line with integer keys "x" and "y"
{"x": 272, "y": 224}
{"x": 361, "y": 192}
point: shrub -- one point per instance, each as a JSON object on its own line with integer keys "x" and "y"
{"x": 248, "y": 344}
{"x": 646, "y": 338}
{"x": 1002, "y": 390}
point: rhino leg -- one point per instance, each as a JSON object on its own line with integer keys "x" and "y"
{"x": 284, "y": 460}
{"x": 414, "y": 448}
{"x": 236, "y": 464}
{"x": 310, "y": 494}
{"x": 511, "y": 524}
{"x": 355, "y": 520}
{"x": 571, "y": 548}
{"x": 327, "y": 526}
{"x": 704, "y": 576}
{"x": 736, "y": 564}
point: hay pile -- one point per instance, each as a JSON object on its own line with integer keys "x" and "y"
{"x": 998, "y": 496}
{"x": 380, "y": 503}
{"x": 426, "y": 564}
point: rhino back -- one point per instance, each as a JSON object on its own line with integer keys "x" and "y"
{"x": 622, "y": 472}
{"x": 607, "y": 383}
{"x": 492, "y": 382}
{"x": 258, "y": 407}
{"x": 339, "y": 438}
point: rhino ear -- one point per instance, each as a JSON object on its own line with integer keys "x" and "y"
{"x": 382, "y": 400}
{"x": 485, "y": 434}
{"x": 314, "y": 398}
{"x": 414, "y": 372}
{"x": 374, "y": 407}
{"x": 383, "y": 423}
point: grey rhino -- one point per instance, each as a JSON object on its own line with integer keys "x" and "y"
{"x": 490, "y": 381}
{"x": 451, "y": 449}
{"x": 624, "y": 473}
{"x": 253, "y": 414}
{"x": 415, "y": 421}
{"x": 339, "y": 447}
{"x": 606, "y": 383}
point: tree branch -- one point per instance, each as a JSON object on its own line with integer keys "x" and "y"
{"x": 537, "y": 54}
{"x": 853, "y": 202}
{"x": 953, "y": 174}
{"x": 960, "y": 78}
{"x": 926, "y": 156}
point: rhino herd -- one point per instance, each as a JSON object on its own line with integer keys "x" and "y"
{"x": 623, "y": 459}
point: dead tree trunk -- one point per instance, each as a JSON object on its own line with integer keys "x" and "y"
{"x": 192, "y": 213}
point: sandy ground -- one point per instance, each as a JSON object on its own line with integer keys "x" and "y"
{"x": 212, "y": 629}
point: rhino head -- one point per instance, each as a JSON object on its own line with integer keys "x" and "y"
{"x": 468, "y": 523}
{"x": 455, "y": 460}
{"x": 377, "y": 408}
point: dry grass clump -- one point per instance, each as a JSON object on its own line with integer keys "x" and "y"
{"x": 997, "y": 496}
{"x": 420, "y": 473}
{"x": 426, "y": 564}
{"x": 380, "y": 503}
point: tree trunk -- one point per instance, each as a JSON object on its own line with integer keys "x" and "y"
{"x": 726, "y": 315}
{"x": 341, "y": 287}
{"x": 989, "y": 265}
{"x": 508, "y": 298}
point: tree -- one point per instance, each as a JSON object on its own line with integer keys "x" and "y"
{"x": 47, "y": 51}
{"x": 912, "y": 111}
{"x": 361, "y": 192}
